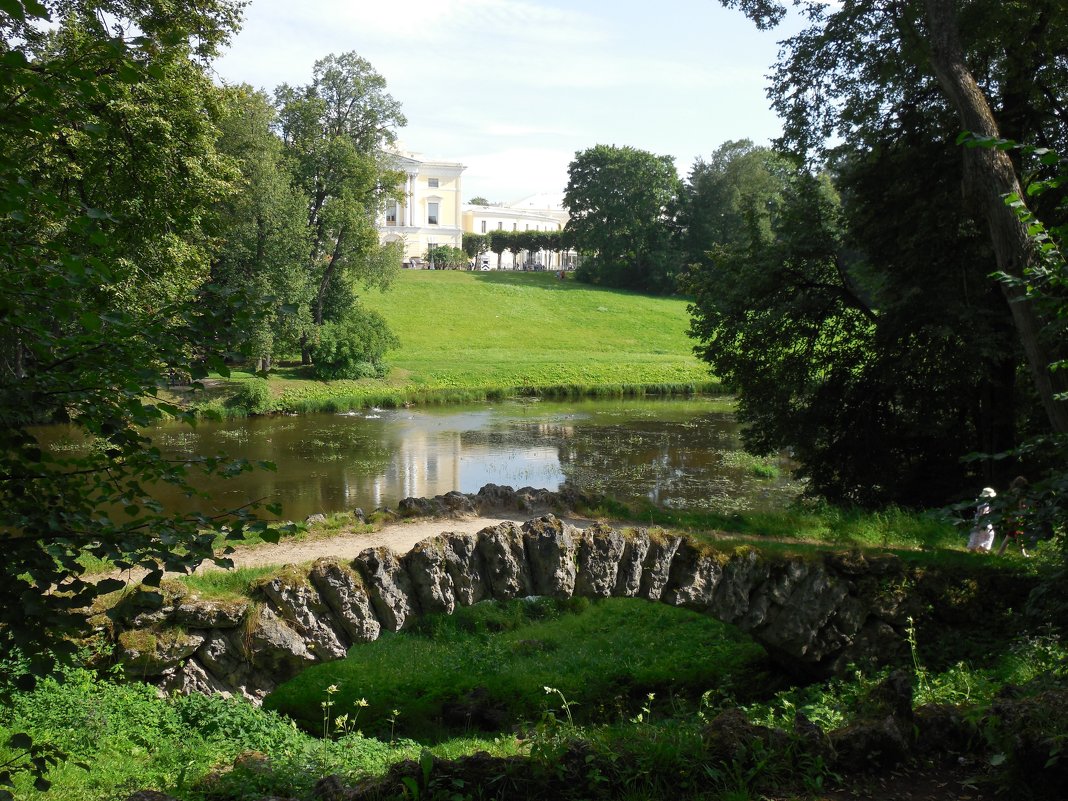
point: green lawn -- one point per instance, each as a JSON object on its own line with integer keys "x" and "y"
{"x": 493, "y": 662}
{"x": 475, "y": 335}
{"x": 460, "y": 329}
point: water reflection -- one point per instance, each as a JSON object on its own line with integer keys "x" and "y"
{"x": 674, "y": 453}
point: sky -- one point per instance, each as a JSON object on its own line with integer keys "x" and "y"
{"x": 514, "y": 88}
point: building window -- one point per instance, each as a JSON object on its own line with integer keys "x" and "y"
{"x": 391, "y": 214}
{"x": 528, "y": 226}
{"x": 431, "y": 213}
{"x": 483, "y": 226}
{"x": 500, "y": 226}
{"x": 515, "y": 226}
{"x": 432, "y": 183}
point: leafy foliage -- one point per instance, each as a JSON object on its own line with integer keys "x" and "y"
{"x": 333, "y": 132}
{"x": 622, "y": 202}
{"x": 107, "y": 167}
{"x": 353, "y": 346}
{"x": 446, "y": 257}
{"x": 261, "y": 240}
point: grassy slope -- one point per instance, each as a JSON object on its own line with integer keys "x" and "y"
{"x": 531, "y": 329}
{"x": 469, "y": 336}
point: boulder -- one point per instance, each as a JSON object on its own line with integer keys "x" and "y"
{"x": 732, "y": 598}
{"x": 632, "y": 564}
{"x": 656, "y": 565}
{"x": 790, "y": 612}
{"x": 196, "y": 614}
{"x": 275, "y": 650}
{"x": 146, "y": 652}
{"x": 505, "y": 561}
{"x": 191, "y": 677}
{"x": 427, "y": 566}
{"x": 343, "y": 591}
{"x": 299, "y": 605}
{"x": 390, "y": 587}
{"x": 599, "y": 553}
{"x": 694, "y": 574}
{"x": 464, "y": 563}
{"x": 552, "y": 553}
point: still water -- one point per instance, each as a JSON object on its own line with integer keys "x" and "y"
{"x": 683, "y": 454}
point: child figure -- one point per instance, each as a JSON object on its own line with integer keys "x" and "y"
{"x": 982, "y": 536}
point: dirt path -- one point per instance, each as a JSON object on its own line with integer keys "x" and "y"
{"x": 398, "y": 537}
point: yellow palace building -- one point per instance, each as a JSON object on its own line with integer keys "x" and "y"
{"x": 432, "y": 212}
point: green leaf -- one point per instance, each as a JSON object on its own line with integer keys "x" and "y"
{"x": 13, "y": 8}
{"x": 20, "y": 741}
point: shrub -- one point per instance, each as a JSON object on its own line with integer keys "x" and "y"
{"x": 352, "y": 347}
{"x": 254, "y": 396}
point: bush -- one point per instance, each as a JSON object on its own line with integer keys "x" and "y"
{"x": 254, "y": 396}
{"x": 352, "y": 347}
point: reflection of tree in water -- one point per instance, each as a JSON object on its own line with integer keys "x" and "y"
{"x": 691, "y": 464}
{"x": 661, "y": 452}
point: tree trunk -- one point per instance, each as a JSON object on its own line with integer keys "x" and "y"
{"x": 989, "y": 177}
{"x": 305, "y": 350}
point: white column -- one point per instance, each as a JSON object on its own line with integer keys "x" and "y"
{"x": 411, "y": 200}
{"x": 459, "y": 212}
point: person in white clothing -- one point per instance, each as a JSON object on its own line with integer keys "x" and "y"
{"x": 982, "y": 536}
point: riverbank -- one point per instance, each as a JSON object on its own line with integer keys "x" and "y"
{"x": 468, "y": 337}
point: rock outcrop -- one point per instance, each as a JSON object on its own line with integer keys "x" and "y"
{"x": 492, "y": 498}
{"x": 814, "y": 613}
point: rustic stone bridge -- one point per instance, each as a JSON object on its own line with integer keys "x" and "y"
{"x": 813, "y": 613}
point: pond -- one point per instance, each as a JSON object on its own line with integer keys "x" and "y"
{"x": 675, "y": 453}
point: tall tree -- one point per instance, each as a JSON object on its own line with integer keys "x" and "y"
{"x": 107, "y": 170}
{"x": 260, "y": 229}
{"x": 727, "y": 201}
{"x": 334, "y": 131}
{"x": 622, "y": 202}
{"x": 498, "y": 243}
{"x": 860, "y": 65}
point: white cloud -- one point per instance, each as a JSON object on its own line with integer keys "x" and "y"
{"x": 509, "y": 174}
{"x": 513, "y": 88}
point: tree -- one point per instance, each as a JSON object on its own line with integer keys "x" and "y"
{"x": 446, "y": 257}
{"x": 260, "y": 230}
{"x": 478, "y": 200}
{"x": 474, "y": 245}
{"x": 334, "y": 131}
{"x": 727, "y": 202}
{"x": 860, "y": 331}
{"x": 107, "y": 169}
{"x": 498, "y": 243}
{"x": 621, "y": 202}
{"x": 892, "y": 57}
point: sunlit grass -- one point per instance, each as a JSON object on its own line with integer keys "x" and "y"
{"x": 484, "y": 336}
{"x": 604, "y": 657}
